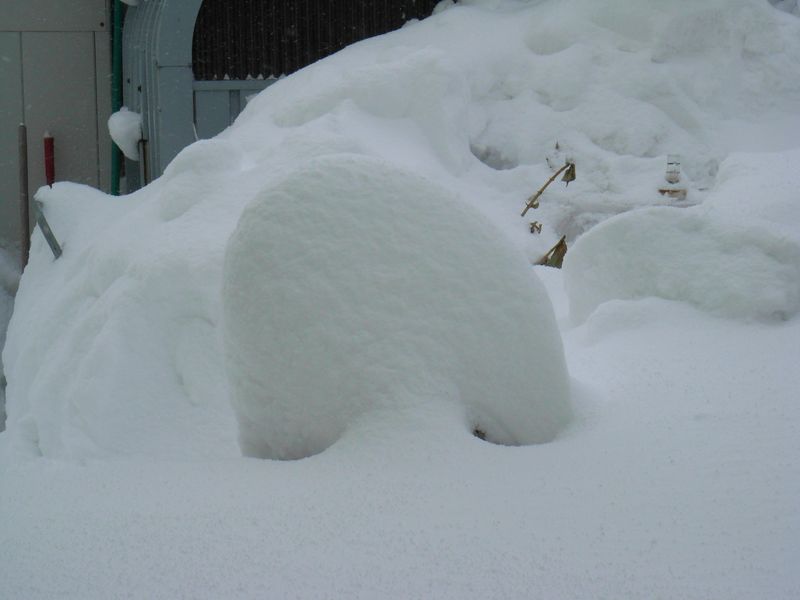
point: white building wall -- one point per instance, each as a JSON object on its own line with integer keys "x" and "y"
{"x": 55, "y": 69}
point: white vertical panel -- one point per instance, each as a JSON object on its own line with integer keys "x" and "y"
{"x": 59, "y": 91}
{"x": 212, "y": 110}
{"x": 102, "y": 46}
{"x": 10, "y": 118}
{"x": 53, "y": 15}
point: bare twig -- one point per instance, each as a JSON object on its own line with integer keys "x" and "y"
{"x": 533, "y": 201}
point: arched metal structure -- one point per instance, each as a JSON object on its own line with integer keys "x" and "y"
{"x": 157, "y": 79}
{"x": 271, "y": 37}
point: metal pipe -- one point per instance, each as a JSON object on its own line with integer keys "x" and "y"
{"x": 116, "y": 89}
{"x": 144, "y": 175}
{"x": 24, "y": 205}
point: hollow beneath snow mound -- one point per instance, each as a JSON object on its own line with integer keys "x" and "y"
{"x": 353, "y": 286}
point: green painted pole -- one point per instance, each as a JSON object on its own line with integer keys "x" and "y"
{"x": 116, "y": 88}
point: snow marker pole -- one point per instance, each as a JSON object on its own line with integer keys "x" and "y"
{"x": 49, "y": 159}
{"x": 44, "y": 226}
{"x": 50, "y": 178}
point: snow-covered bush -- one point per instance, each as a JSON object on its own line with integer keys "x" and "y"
{"x": 684, "y": 255}
{"x": 353, "y": 286}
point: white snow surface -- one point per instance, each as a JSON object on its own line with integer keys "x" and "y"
{"x": 737, "y": 254}
{"x": 353, "y": 286}
{"x": 125, "y": 128}
{"x": 121, "y": 473}
{"x": 9, "y": 280}
{"x": 790, "y": 6}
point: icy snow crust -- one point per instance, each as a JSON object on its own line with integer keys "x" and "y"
{"x": 678, "y": 474}
{"x": 354, "y": 286}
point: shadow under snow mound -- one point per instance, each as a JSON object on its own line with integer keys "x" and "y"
{"x": 353, "y": 286}
{"x": 732, "y": 270}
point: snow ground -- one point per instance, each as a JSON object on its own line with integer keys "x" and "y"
{"x": 679, "y": 479}
{"x": 678, "y": 476}
{"x": 9, "y": 280}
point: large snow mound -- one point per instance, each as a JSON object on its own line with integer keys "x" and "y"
{"x": 677, "y": 476}
{"x": 736, "y": 255}
{"x": 114, "y": 348}
{"x": 682, "y": 255}
{"x": 9, "y": 280}
{"x": 353, "y": 285}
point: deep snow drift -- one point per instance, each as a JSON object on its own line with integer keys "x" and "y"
{"x": 354, "y": 286}
{"x": 678, "y": 475}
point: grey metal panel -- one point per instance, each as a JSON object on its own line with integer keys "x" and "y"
{"x": 175, "y": 125}
{"x": 251, "y": 85}
{"x": 159, "y": 80}
{"x": 102, "y": 50}
{"x": 250, "y": 92}
{"x": 176, "y": 30}
{"x": 173, "y": 48}
{"x": 235, "y": 104}
{"x": 10, "y": 118}
{"x": 211, "y": 110}
{"x": 59, "y": 76}
{"x": 138, "y": 76}
{"x": 53, "y": 15}
{"x": 218, "y": 103}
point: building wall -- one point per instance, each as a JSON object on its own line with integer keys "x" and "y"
{"x": 55, "y": 69}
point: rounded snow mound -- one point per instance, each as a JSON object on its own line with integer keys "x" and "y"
{"x": 354, "y": 286}
{"x": 677, "y": 254}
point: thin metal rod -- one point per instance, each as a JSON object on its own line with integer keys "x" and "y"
{"x": 44, "y": 227}
{"x": 144, "y": 173}
{"x": 24, "y": 204}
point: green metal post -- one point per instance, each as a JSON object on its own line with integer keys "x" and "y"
{"x": 116, "y": 88}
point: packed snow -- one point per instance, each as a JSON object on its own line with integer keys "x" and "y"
{"x": 9, "y": 280}
{"x": 125, "y": 129}
{"x": 723, "y": 256}
{"x": 343, "y": 275}
{"x": 353, "y": 286}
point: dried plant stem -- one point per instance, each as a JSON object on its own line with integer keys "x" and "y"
{"x": 555, "y": 256}
{"x": 533, "y": 201}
